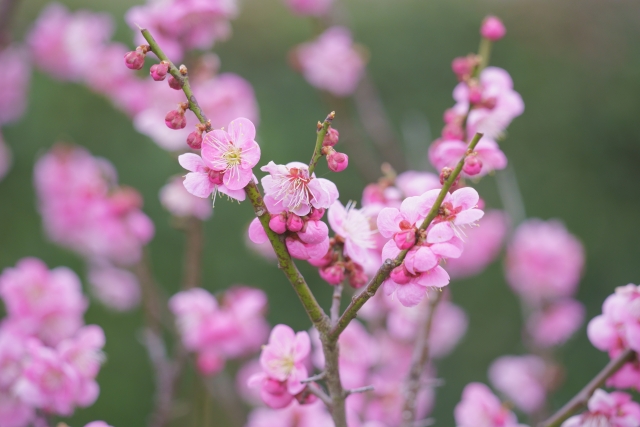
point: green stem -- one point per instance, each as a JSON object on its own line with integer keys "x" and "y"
{"x": 323, "y": 128}
{"x": 484, "y": 52}
{"x": 389, "y": 264}
{"x": 181, "y": 75}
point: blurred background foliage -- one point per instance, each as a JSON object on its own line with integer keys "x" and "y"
{"x": 575, "y": 151}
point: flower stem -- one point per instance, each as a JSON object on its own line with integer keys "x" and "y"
{"x": 181, "y": 75}
{"x": 418, "y": 364}
{"x": 194, "y": 243}
{"x": 389, "y": 264}
{"x": 323, "y": 128}
{"x": 335, "y": 303}
{"x": 484, "y": 52}
{"x": 582, "y": 398}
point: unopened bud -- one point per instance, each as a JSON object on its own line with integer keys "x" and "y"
{"x": 322, "y": 262}
{"x": 294, "y": 222}
{"x": 333, "y": 274}
{"x": 216, "y": 177}
{"x": 314, "y": 232}
{"x": 194, "y": 140}
{"x": 445, "y": 174}
{"x": 316, "y": 214}
{"x": 405, "y": 239}
{"x": 356, "y": 276}
{"x": 278, "y": 223}
{"x": 175, "y": 119}
{"x": 159, "y": 71}
{"x": 472, "y": 165}
{"x": 453, "y": 131}
{"x": 475, "y": 93}
{"x": 134, "y": 60}
{"x": 400, "y": 275}
{"x": 331, "y": 138}
{"x": 492, "y": 28}
{"x": 336, "y": 161}
{"x": 174, "y": 83}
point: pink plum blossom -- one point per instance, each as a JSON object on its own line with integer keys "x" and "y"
{"x": 521, "y": 379}
{"x": 458, "y": 209}
{"x": 556, "y": 323}
{"x": 116, "y": 288}
{"x": 40, "y": 302}
{"x": 233, "y": 153}
{"x": 492, "y": 28}
{"x": 447, "y": 153}
{"x": 615, "y": 409}
{"x": 175, "y": 198}
{"x": 202, "y": 181}
{"x": 481, "y": 246}
{"x": 14, "y": 84}
{"x": 66, "y": 44}
{"x": 290, "y": 188}
{"x": 331, "y": 62}
{"x": 544, "y": 260}
{"x": 295, "y": 415}
{"x": 283, "y": 357}
{"x": 181, "y": 25}
{"x": 14, "y": 412}
{"x": 354, "y": 226}
{"x": 309, "y": 7}
{"x": 414, "y": 183}
{"x": 479, "y": 407}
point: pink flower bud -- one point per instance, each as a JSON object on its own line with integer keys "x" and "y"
{"x": 294, "y": 222}
{"x": 216, "y": 177}
{"x": 314, "y": 232}
{"x": 134, "y": 60}
{"x": 175, "y": 119}
{"x": 400, "y": 275}
{"x": 475, "y": 94}
{"x": 306, "y": 398}
{"x": 159, "y": 71}
{"x": 492, "y": 28}
{"x": 273, "y": 386}
{"x": 174, "y": 83}
{"x": 445, "y": 174}
{"x": 472, "y": 165}
{"x": 334, "y": 274}
{"x": 405, "y": 239}
{"x": 357, "y": 278}
{"x": 337, "y": 161}
{"x": 322, "y": 262}
{"x": 453, "y": 131}
{"x": 194, "y": 140}
{"x": 331, "y": 138}
{"x": 278, "y": 223}
{"x": 316, "y": 214}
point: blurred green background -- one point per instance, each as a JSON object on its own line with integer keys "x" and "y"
{"x": 575, "y": 151}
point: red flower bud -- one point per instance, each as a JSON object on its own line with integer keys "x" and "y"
{"x": 331, "y": 138}
{"x": 175, "y": 119}
{"x": 174, "y": 83}
{"x": 194, "y": 140}
{"x": 159, "y": 71}
{"x": 472, "y": 165}
{"x": 337, "y": 162}
{"x": 134, "y": 60}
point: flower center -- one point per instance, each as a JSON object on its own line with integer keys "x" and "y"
{"x": 232, "y": 156}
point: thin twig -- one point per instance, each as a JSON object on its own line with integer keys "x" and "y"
{"x": 582, "y": 398}
{"x": 194, "y": 246}
{"x": 319, "y": 377}
{"x": 320, "y": 394}
{"x": 323, "y": 128}
{"x": 419, "y": 363}
{"x": 358, "y": 390}
{"x": 335, "y": 303}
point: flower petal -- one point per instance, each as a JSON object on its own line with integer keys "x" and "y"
{"x": 466, "y": 198}
{"x": 468, "y": 217}
{"x": 198, "y": 184}
{"x": 257, "y": 233}
{"x": 440, "y": 232}
{"x": 191, "y": 162}
{"x": 250, "y": 155}
{"x": 241, "y": 130}
{"x": 411, "y": 294}
{"x": 388, "y": 222}
{"x": 436, "y": 278}
{"x": 236, "y": 178}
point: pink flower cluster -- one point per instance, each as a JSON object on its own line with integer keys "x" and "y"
{"x": 84, "y": 210}
{"x": 182, "y": 25}
{"x": 331, "y": 62}
{"x": 218, "y": 331}
{"x": 296, "y": 201}
{"x": 607, "y": 409}
{"x": 480, "y": 407}
{"x": 617, "y": 329}
{"x": 48, "y": 358}
{"x": 421, "y": 268}
{"x": 543, "y": 266}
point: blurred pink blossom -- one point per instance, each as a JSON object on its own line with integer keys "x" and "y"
{"x": 355, "y": 227}
{"x": 521, "y": 379}
{"x": 544, "y": 261}
{"x": 310, "y": 7}
{"x": 480, "y": 407}
{"x": 179, "y": 202}
{"x": 615, "y": 409}
{"x": 492, "y": 28}
{"x": 115, "y": 288}
{"x": 554, "y": 324}
{"x": 331, "y": 62}
{"x": 449, "y": 152}
{"x": 14, "y": 85}
{"x": 296, "y": 415}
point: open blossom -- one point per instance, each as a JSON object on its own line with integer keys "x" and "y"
{"x": 481, "y": 246}
{"x": 181, "y": 25}
{"x": 331, "y": 62}
{"x": 447, "y": 153}
{"x": 615, "y": 409}
{"x": 521, "y": 379}
{"x": 66, "y": 44}
{"x": 479, "y": 407}
{"x": 555, "y": 324}
{"x": 354, "y": 226}
{"x": 14, "y": 84}
{"x": 233, "y": 154}
{"x": 290, "y": 188}
{"x": 116, "y": 288}
{"x": 544, "y": 260}
{"x": 179, "y": 202}
{"x": 202, "y": 181}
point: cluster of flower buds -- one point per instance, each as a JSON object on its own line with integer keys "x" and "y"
{"x": 336, "y": 161}
{"x": 217, "y": 332}
{"x": 334, "y": 267}
{"x": 49, "y": 359}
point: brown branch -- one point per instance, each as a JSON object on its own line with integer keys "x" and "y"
{"x": 194, "y": 245}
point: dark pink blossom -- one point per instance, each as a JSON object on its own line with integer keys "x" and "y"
{"x": 615, "y": 409}
{"x": 202, "y": 181}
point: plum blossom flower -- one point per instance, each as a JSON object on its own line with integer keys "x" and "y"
{"x": 175, "y": 198}
{"x": 354, "y": 226}
{"x": 554, "y": 324}
{"x": 331, "y": 62}
{"x": 543, "y": 261}
{"x": 447, "y": 153}
{"x": 296, "y": 415}
{"x": 480, "y": 407}
{"x": 521, "y": 379}
{"x": 458, "y": 209}
{"x": 202, "y": 181}
{"x": 290, "y": 188}
{"x": 309, "y": 7}
{"x": 233, "y": 153}
{"x": 615, "y": 409}
{"x": 116, "y": 288}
